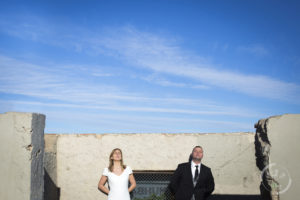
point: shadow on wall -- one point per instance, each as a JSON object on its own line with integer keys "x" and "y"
{"x": 51, "y": 191}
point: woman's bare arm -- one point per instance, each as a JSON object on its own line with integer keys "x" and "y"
{"x": 132, "y": 182}
{"x": 101, "y": 184}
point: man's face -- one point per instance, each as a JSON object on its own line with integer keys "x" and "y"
{"x": 197, "y": 154}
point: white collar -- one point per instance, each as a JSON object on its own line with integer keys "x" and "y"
{"x": 194, "y": 164}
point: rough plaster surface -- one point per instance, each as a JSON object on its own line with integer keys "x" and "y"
{"x": 51, "y": 191}
{"x": 22, "y": 150}
{"x": 280, "y": 144}
{"x": 82, "y": 157}
{"x": 50, "y": 156}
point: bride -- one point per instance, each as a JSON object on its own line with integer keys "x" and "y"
{"x": 117, "y": 174}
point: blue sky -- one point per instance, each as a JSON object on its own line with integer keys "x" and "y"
{"x": 150, "y": 66}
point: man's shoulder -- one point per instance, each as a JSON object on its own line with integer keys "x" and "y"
{"x": 204, "y": 166}
{"x": 184, "y": 164}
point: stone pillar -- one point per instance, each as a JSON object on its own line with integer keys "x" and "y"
{"x": 277, "y": 156}
{"x": 21, "y": 155}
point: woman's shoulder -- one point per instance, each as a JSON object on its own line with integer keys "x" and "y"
{"x": 128, "y": 168}
{"x": 105, "y": 171}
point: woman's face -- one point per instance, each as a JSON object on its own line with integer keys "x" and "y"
{"x": 117, "y": 155}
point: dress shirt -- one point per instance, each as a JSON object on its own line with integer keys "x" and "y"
{"x": 193, "y": 167}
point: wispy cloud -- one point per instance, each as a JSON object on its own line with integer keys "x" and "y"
{"x": 55, "y": 88}
{"x": 29, "y": 27}
{"x": 256, "y": 49}
{"x": 155, "y": 79}
{"x": 113, "y": 123}
{"x": 67, "y": 91}
{"x": 24, "y": 78}
{"x": 123, "y": 108}
{"x": 161, "y": 55}
{"x": 218, "y": 46}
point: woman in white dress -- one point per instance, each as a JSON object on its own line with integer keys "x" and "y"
{"x": 117, "y": 175}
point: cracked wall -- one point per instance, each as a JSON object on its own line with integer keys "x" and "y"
{"x": 277, "y": 148}
{"x": 82, "y": 157}
{"x": 21, "y": 155}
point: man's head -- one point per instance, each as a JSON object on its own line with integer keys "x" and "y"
{"x": 197, "y": 154}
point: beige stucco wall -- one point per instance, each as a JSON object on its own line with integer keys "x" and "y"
{"x": 74, "y": 162}
{"x": 21, "y": 155}
{"x": 283, "y": 133}
{"x": 82, "y": 157}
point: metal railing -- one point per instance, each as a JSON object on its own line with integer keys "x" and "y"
{"x": 152, "y": 185}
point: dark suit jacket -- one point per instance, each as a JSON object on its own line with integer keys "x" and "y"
{"x": 182, "y": 186}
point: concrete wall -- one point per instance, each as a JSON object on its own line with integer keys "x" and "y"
{"x": 73, "y": 163}
{"x": 21, "y": 155}
{"x": 82, "y": 157}
{"x": 51, "y": 191}
{"x": 278, "y": 156}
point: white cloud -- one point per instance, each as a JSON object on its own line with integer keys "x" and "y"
{"x": 125, "y": 108}
{"x": 162, "y": 56}
{"x": 222, "y": 47}
{"x": 165, "y": 56}
{"x": 155, "y": 79}
{"x": 256, "y": 49}
{"x": 57, "y": 88}
{"x": 100, "y": 122}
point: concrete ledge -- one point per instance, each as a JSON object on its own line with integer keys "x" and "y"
{"x": 22, "y": 150}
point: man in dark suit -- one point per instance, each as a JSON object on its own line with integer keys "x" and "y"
{"x": 192, "y": 180}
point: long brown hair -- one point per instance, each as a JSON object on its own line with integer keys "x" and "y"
{"x": 111, "y": 161}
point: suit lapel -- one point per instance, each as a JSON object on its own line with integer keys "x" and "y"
{"x": 201, "y": 175}
{"x": 189, "y": 173}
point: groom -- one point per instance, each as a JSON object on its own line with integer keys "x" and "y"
{"x": 192, "y": 180}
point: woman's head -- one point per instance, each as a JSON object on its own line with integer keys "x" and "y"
{"x": 115, "y": 156}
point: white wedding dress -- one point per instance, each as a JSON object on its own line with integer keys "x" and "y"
{"x": 118, "y": 185}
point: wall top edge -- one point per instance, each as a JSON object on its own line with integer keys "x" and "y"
{"x": 22, "y": 113}
{"x": 279, "y": 116}
{"x": 275, "y": 117}
{"x": 130, "y": 134}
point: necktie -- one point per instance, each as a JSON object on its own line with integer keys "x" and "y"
{"x": 196, "y": 173}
